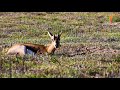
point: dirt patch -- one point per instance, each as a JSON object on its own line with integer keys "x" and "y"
{"x": 112, "y": 25}
{"x": 3, "y": 36}
{"x": 83, "y": 50}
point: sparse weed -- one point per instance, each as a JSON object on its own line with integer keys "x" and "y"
{"x": 88, "y": 48}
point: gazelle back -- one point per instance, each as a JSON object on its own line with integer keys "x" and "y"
{"x": 32, "y": 49}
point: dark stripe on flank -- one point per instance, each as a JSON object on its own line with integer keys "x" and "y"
{"x": 32, "y": 49}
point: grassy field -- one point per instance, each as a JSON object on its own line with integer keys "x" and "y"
{"x": 90, "y": 45}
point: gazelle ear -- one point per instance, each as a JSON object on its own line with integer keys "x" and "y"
{"x": 50, "y": 34}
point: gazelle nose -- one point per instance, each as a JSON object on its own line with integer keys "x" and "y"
{"x": 57, "y": 46}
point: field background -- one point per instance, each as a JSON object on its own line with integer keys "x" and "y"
{"x": 90, "y": 45}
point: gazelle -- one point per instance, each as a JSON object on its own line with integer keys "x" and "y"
{"x": 32, "y": 49}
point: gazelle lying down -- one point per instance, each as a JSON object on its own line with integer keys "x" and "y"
{"x": 32, "y": 49}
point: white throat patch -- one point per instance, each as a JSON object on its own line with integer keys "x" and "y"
{"x": 54, "y": 43}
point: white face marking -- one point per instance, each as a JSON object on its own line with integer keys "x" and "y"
{"x": 54, "y": 43}
{"x": 52, "y": 37}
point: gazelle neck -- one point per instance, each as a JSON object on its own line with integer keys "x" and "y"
{"x": 50, "y": 48}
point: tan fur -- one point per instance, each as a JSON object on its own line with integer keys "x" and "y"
{"x": 15, "y": 50}
{"x": 41, "y": 48}
{"x": 21, "y": 49}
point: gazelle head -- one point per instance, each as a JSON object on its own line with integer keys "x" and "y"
{"x": 55, "y": 39}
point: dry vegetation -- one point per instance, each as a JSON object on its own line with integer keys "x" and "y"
{"x": 90, "y": 44}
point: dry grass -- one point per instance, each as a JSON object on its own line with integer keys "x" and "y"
{"x": 90, "y": 44}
